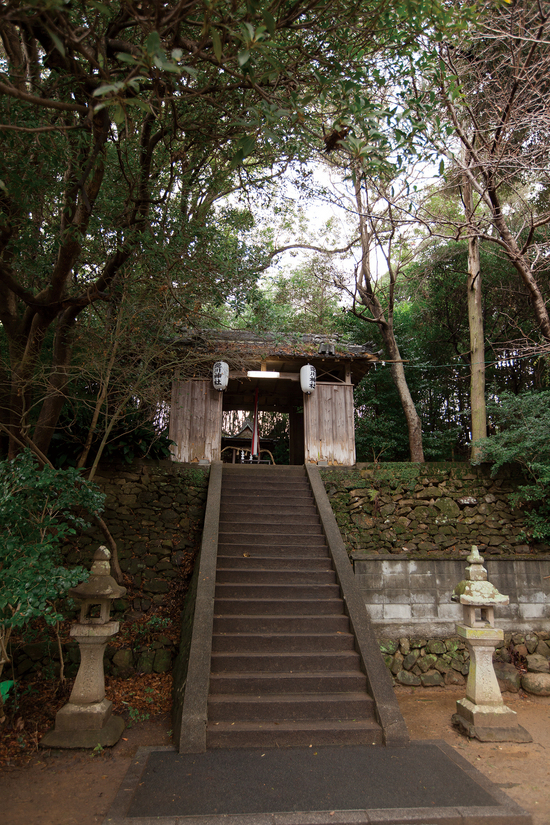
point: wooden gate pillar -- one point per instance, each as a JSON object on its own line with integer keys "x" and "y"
{"x": 196, "y": 421}
{"x": 329, "y": 425}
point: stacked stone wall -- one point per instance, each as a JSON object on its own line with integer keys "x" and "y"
{"x": 412, "y": 596}
{"x": 390, "y": 512}
{"x": 521, "y": 661}
{"x": 418, "y": 509}
{"x": 155, "y": 512}
{"x": 408, "y": 528}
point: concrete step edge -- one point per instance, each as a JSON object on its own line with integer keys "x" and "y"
{"x": 221, "y": 602}
{"x": 268, "y": 676}
{"x": 315, "y": 655}
{"x": 290, "y": 699}
{"x": 257, "y": 559}
{"x": 267, "y": 616}
{"x": 284, "y": 549}
{"x": 304, "y": 724}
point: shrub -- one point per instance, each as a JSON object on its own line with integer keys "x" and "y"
{"x": 523, "y": 437}
{"x": 39, "y": 510}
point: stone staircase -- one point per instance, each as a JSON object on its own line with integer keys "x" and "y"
{"x": 284, "y": 668}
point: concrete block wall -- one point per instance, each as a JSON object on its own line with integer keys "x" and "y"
{"x": 408, "y": 597}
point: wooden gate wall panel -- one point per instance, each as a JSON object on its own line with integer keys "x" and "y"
{"x": 196, "y": 421}
{"x": 329, "y": 424}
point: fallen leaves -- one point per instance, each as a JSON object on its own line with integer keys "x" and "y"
{"x": 31, "y": 710}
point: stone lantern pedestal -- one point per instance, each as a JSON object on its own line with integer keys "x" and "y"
{"x": 482, "y": 714}
{"x": 86, "y": 720}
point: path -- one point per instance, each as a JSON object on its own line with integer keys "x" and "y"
{"x": 78, "y": 789}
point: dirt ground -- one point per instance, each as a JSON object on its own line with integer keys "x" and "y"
{"x": 77, "y": 788}
{"x": 521, "y": 771}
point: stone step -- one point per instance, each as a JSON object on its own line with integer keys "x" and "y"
{"x": 255, "y": 494}
{"x": 284, "y": 670}
{"x": 266, "y": 683}
{"x": 345, "y": 661}
{"x": 257, "y": 489}
{"x": 282, "y": 642}
{"x": 272, "y": 470}
{"x": 263, "y": 481}
{"x": 277, "y": 591}
{"x": 235, "y": 509}
{"x": 281, "y": 537}
{"x": 289, "y": 734}
{"x": 262, "y": 527}
{"x": 244, "y": 561}
{"x": 280, "y": 506}
{"x": 254, "y": 576}
{"x": 288, "y": 551}
{"x": 281, "y": 624}
{"x": 281, "y": 503}
{"x": 285, "y": 707}
{"x": 280, "y": 607}
{"x": 272, "y": 497}
{"x": 276, "y": 519}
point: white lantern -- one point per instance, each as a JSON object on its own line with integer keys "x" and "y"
{"x": 220, "y": 376}
{"x": 308, "y": 378}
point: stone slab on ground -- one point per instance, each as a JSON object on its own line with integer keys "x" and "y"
{"x": 426, "y": 782}
{"x": 105, "y": 737}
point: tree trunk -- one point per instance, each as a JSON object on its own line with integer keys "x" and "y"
{"x": 56, "y": 390}
{"x": 100, "y": 399}
{"x": 519, "y": 261}
{"x": 477, "y": 337}
{"x": 414, "y": 424}
{"x": 477, "y": 349}
{"x": 370, "y": 300}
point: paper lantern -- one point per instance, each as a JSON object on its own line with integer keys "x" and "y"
{"x": 308, "y": 378}
{"x": 220, "y": 376}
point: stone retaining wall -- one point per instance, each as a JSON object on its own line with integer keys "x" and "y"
{"x": 522, "y": 661}
{"x": 408, "y": 529}
{"x": 155, "y": 512}
{"x": 418, "y": 509}
{"x": 42, "y": 659}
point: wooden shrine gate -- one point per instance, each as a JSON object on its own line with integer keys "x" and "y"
{"x": 322, "y": 427}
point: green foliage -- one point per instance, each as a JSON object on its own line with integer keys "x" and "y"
{"x": 522, "y": 437}
{"x": 141, "y": 121}
{"x": 431, "y": 327}
{"x": 135, "y": 715}
{"x": 280, "y": 430}
{"x": 434, "y": 291}
{"x": 145, "y": 632}
{"x": 39, "y": 510}
{"x": 302, "y": 300}
{"x": 196, "y": 478}
{"x": 380, "y": 426}
{"x": 396, "y": 475}
{"x": 132, "y": 437}
{"x": 5, "y": 688}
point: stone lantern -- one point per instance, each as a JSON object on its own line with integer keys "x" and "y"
{"x": 86, "y": 720}
{"x": 482, "y": 714}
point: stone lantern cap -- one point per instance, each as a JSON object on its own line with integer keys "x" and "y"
{"x": 100, "y": 585}
{"x": 475, "y": 590}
